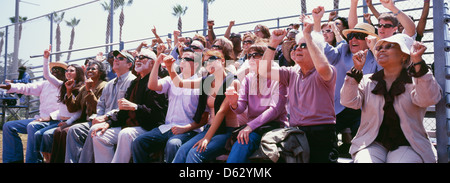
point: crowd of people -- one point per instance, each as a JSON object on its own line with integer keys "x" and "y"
{"x": 208, "y": 96}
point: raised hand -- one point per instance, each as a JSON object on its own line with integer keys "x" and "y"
{"x": 69, "y": 85}
{"x": 417, "y": 50}
{"x": 277, "y": 36}
{"x": 232, "y": 96}
{"x": 47, "y": 52}
{"x": 89, "y": 84}
{"x": 359, "y": 59}
{"x": 169, "y": 60}
{"x": 318, "y": 12}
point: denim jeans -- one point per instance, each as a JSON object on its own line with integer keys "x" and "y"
{"x": 12, "y": 144}
{"x": 153, "y": 141}
{"x": 216, "y": 147}
{"x": 40, "y": 129}
{"x": 241, "y": 152}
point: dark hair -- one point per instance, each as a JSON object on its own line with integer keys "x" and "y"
{"x": 79, "y": 79}
{"x": 344, "y": 21}
{"x": 101, "y": 69}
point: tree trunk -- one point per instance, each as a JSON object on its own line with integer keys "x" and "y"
{"x": 108, "y": 31}
{"x": 72, "y": 37}
{"x": 121, "y": 22}
{"x": 180, "y": 24}
{"x": 58, "y": 42}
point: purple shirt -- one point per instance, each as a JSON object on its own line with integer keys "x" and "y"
{"x": 311, "y": 99}
{"x": 269, "y": 104}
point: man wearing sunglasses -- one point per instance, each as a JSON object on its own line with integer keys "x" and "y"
{"x": 388, "y": 22}
{"x": 311, "y": 87}
{"x": 140, "y": 110}
{"x": 178, "y": 126}
{"x": 79, "y": 144}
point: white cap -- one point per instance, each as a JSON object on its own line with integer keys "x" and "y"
{"x": 403, "y": 40}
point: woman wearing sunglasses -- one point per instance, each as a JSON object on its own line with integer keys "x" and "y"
{"x": 210, "y": 143}
{"x": 265, "y": 102}
{"x": 393, "y": 103}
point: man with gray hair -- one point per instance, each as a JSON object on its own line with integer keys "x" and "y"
{"x": 140, "y": 110}
{"x": 79, "y": 142}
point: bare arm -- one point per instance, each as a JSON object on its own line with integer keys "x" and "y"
{"x": 177, "y": 80}
{"x": 228, "y": 31}
{"x": 423, "y": 18}
{"x": 372, "y": 9}
{"x": 352, "y": 14}
{"x": 408, "y": 24}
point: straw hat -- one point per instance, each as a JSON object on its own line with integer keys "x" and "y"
{"x": 58, "y": 64}
{"x": 361, "y": 27}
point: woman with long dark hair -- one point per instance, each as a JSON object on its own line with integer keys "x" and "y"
{"x": 85, "y": 101}
{"x": 74, "y": 74}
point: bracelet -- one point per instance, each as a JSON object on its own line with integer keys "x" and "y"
{"x": 355, "y": 74}
{"x": 399, "y": 11}
{"x": 272, "y": 48}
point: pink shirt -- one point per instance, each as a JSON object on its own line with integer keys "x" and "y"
{"x": 266, "y": 106}
{"x": 311, "y": 99}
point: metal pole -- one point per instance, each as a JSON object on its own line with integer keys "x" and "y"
{"x": 441, "y": 61}
{"x": 6, "y": 54}
{"x": 111, "y": 12}
{"x": 51, "y": 34}
{"x": 205, "y": 16}
{"x": 16, "y": 38}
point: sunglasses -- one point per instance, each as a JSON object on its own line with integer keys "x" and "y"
{"x": 385, "y": 47}
{"x": 187, "y": 59}
{"x": 142, "y": 57}
{"x": 255, "y": 55}
{"x": 212, "y": 59}
{"x": 195, "y": 47}
{"x": 91, "y": 69}
{"x": 302, "y": 46}
{"x": 357, "y": 35}
{"x": 327, "y": 31}
{"x": 120, "y": 58}
{"x": 384, "y": 25}
{"x": 216, "y": 47}
{"x": 248, "y": 42}
{"x": 56, "y": 69}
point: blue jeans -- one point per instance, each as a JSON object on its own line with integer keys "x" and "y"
{"x": 12, "y": 144}
{"x": 216, "y": 147}
{"x": 241, "y": 152}
{"x": 153, "y": 141}
{"x": 40, "y": 130}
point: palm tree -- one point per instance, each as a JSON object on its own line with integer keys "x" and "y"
{"x": 122, "y": 4}
{"x": 73, "y": 23}
{"x": 57, "y": 18}
{"x": 15, "y": 65}
{"x": 207, "y": 8}
{"x": 106, "y": 7}
{"x": 1, "y": 42}
{"x": 179, "y": 11}
{"x": 335, "y": 4}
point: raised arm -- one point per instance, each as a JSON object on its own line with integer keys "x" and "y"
{"x": 408, "y": 24}
{"x": 228, "y": 31}
{"x": 275, "y": 39}
{"x": 176, "y": 79}
{"x": 318, "y": 57}
{"x": 47, "y": 75}
{"x": 153, "y": 83}
{"x": 352, "y": 14}
{"x": 372, "y": 9}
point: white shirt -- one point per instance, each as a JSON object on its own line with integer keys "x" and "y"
{"x": 182, "y": 104}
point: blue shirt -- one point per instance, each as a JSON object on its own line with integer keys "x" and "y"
{"x": 341, "y": 58}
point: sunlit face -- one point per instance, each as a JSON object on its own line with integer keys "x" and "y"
{"x": 187, "y": 62}
{"x": 92, "y": 71}
{"x": 143, "y": 63}
{"x": 121, "y": 64}
{"x": 386, "y": 32}
{"x": 358, "y": 42}
{"x": 299, "y": 54}
{"x": 214, "y": 64}
{"x": 328, "y": 34}
{"x": 71, "y": 73}
{"x": 247, "y": 43}
{"x": 389, "y": 55}
{"x": 254, "y": 58}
